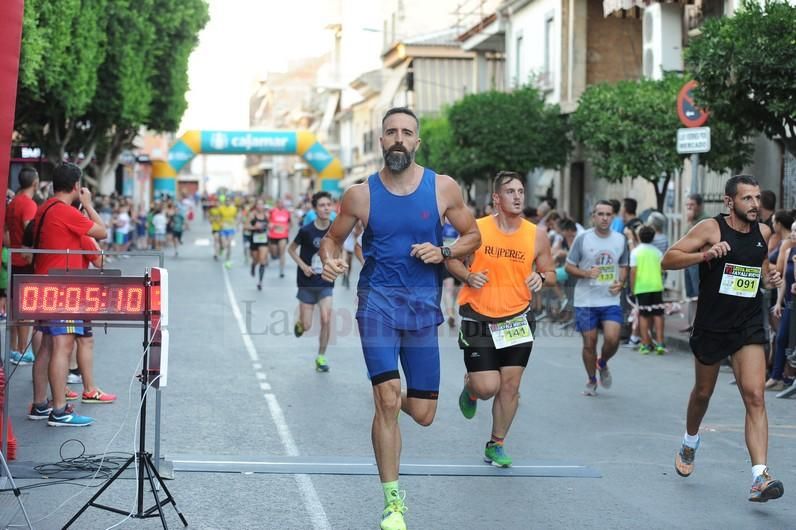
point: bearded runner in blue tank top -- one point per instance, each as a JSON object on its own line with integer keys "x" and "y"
{"x": 395, "y": 289}
{"x": 401, "y": 207}
{"x": 731, "y": 253}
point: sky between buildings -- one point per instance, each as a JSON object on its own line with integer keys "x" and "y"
{"x": 243, "y": 40}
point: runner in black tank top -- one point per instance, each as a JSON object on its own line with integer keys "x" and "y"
{"x": 731, "y": 252}
{"x": 258, "y": 226}
{"x": 729, "y": 289}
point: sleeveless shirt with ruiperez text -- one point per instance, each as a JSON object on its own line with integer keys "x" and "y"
{"x": 395, "y": 287}
{"x": 730, "y": 296}
{"x": 508, "y": 260}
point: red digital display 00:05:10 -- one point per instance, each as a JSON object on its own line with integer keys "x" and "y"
{"x": 81, "y": 299}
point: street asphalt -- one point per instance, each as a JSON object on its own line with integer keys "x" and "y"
{"x": 251, "y": 396}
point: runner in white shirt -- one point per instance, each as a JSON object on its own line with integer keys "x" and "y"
{"x": 599, "y": 260}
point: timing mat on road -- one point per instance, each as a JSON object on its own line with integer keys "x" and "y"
{"x": 364, "y": 466}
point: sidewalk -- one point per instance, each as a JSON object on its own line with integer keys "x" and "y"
{"x": 674, "y": 337}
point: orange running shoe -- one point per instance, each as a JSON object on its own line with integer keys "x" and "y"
{"x": 98, "y": 396}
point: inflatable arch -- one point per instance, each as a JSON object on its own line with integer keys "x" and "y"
{"x": 192, "y": 143}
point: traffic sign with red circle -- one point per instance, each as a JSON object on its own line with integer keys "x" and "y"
{"x": 690, "y": 115}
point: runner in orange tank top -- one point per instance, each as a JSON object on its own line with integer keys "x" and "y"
{"x": 496, "y": 334}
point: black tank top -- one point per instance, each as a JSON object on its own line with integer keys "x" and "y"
{"x": 257, "y": 219}
{"x": 730, "y": 296}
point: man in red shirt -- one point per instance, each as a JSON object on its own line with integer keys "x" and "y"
{"x": 19, "y": 213}
{"x": 60, "y": 226}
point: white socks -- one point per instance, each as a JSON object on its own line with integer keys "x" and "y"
{"x": 691, "y": 441}
{"x": 758, "y": 470}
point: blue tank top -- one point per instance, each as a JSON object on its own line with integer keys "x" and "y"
{"x": 449, "y": 234}
{"x": 394, "y": 287}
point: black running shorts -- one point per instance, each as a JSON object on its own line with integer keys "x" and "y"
{"x": 650, "y": 300}
{"x": 480, "y": 354}
{"x": 711, "y": 347}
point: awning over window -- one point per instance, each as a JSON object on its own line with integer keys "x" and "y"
{"x": 330, "y": 111}
{"x": 391, "y": 85}
{"x": 632, "y": 8}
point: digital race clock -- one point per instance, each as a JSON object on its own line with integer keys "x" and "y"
{"x": 82, "y": 297}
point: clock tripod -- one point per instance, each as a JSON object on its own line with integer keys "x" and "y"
{"x": 146, "y": 470}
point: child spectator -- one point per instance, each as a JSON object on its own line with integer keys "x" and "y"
{"x": 176, "y": 227}
{"x": 160, "y": 223}
{"x": 646, "y": 283}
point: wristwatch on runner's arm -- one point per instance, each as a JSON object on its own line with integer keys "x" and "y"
{"x": 446, "y": 252}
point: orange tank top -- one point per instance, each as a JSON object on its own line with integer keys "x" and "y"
{"x": 508, "y": 258}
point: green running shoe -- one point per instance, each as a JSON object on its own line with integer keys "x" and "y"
{"x": 495, "y": 455}
{"x": 467, "y": 405}
{"x": 644, "y": 349}
{"x": 393, "y": 516}
{"x": 660, "y": 349}
{"x": 320, "y": 364}
{"x": 298, "y": 329}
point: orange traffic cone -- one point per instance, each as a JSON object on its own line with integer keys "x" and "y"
{"x": 12, "y": 440}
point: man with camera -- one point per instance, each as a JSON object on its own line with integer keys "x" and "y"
{"x": 58, "y": 225}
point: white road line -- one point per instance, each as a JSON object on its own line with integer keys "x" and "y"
{"x": 359, "y": 464}
{"x": 312, "y": 503}
{"x": 260, "y": 376}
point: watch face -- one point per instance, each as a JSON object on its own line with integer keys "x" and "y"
{"x": 446, "y": 252}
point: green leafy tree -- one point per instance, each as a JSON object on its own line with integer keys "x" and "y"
{"x": 493, "y": 131}
{"x": 122, "y": 102}
{"x": 437, "y": 150}
{"x": 629, "y": 129}
{"x": 745, "y": 67}
{"x": 63, "y": 46}
{"x": 93, "y": 74}
{"x": 436, "y": 144}
{"x": 177, "y": 37}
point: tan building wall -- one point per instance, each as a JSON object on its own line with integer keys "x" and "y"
{"x": 613, "y": 46}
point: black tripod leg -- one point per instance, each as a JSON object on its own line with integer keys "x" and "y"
{"x": 101, "y": 490}
{"x": 148, "y": 469}
{"x": 169, "y": 496}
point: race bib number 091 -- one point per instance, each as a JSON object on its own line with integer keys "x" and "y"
{"x": 740, "y": 280}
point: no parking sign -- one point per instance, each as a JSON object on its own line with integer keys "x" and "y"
{"x": 690, "y": 115}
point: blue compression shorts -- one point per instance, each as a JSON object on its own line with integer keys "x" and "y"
{"x": 417, "y": 349}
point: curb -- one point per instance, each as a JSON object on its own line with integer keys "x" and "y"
{"x": 679, "y": 343}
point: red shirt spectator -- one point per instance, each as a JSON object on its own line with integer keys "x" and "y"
{"x": 20, "y": 211}
{"x": 63, "y": 228}
{"x": 89, "y": 243}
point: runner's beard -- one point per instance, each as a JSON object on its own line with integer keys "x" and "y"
{"x": 397, "y": 160}
{"x": 743, "y": 216}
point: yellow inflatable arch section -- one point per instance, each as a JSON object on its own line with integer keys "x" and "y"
{"x": 192, "y": 143}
